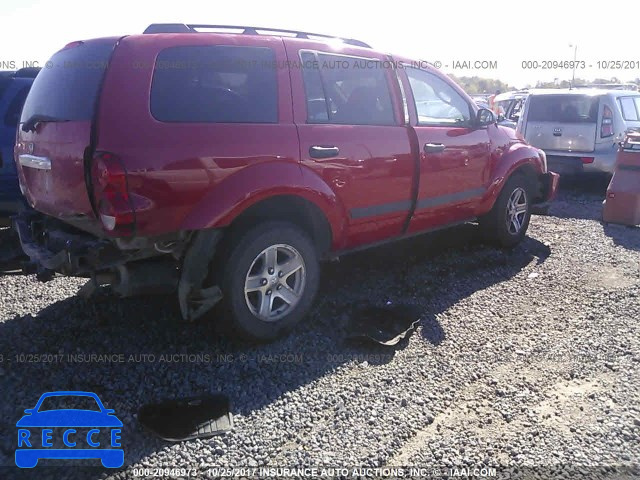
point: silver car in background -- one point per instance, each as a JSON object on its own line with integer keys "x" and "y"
{"x": 579, "y": 129}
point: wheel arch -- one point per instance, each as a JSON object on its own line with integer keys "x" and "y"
{"x": 290, "y": 208}
{"x": 523, "y": 160}
{"x": 275, "y": 191}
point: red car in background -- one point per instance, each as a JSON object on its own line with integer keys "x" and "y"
{"x": 225, "y": 166}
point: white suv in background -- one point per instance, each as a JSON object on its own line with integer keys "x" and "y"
{"x": 579, "y": 129}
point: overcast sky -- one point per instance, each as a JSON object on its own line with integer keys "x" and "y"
{"x": 507, "y": 33}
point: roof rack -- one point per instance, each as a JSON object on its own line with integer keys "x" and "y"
{"x": 610, "y": 86}
{"x": 193, "y": 28}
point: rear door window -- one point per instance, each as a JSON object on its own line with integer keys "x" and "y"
{"x": 630, "y": 107}
{"x": 346, "y": 90}
{"x": 218, "y": 84}
{"x": 67, "y": 88}
{"x": 563, "y": 108}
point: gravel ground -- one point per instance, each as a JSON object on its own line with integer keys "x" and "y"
{"x": 527, "y": 361}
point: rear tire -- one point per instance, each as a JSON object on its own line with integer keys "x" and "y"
{"x": 507, "y": 222}
{"x": 269, "y": 280}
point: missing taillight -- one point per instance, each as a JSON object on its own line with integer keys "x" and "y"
{"x": 111, "y": 194}
{"x": 606, "y": 130}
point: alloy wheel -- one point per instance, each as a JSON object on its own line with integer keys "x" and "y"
{"x": 275, "y": 282}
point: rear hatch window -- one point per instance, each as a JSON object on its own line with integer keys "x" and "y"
{"x": 563, "y": 109}
{"x": 67, "y": 87}
{"x": 61, "y": 104}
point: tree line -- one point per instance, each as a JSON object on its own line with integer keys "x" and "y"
{"x": 479, "y": 85}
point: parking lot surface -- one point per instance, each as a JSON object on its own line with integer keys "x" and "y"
{"x": 523, "y": 359}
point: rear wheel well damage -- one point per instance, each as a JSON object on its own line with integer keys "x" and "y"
{"x": 293, "y": 209}
{"x": 193, "y": 298}
{"x": 209, "y": 248}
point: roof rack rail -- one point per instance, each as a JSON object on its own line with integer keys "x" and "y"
{"x": 610, "y": 86}
{"x": 193, "y": 28}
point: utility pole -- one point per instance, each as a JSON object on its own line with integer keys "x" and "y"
{"x": 575, "y": 56}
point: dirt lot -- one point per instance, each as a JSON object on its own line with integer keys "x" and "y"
{"x": 527, "y": 361}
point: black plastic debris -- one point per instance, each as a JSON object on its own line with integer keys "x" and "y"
{"x": 187, "y": 418}
{"x": 386, "y": 325}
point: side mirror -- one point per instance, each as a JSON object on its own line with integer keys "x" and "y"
{"x": 29, "y": 411}
{"x": 485, "y": 117}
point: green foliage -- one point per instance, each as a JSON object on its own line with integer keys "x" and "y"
{"x": 478, "y": 85}
{"x": 473, "y": 85}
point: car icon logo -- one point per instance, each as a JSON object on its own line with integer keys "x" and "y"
{"x": 557, "y": 131}
{"x": 69, "y": 425}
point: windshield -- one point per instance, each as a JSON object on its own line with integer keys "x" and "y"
{"x": 67, "y": 88}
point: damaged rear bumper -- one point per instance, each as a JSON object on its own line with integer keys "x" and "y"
{"x": 548, "y": 188}
{"x": 54, "y": 247}
{"x": 51, "y": 246}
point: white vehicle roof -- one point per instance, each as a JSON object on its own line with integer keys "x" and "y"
{"x": 512, "y": 95}
{"x": 584, "y": 91}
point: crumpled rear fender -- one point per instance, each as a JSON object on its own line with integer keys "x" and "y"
{"x": 261, "y": 181}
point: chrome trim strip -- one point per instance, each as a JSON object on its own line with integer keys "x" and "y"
{"x": 383, "y": 209}
{"x": 431, "y": 202}
{"x": 32, "y": 161}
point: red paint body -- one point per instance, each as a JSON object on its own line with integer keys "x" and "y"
{"x": 190, "y": 176}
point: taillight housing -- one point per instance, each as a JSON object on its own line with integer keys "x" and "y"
{"x": 111, "y": 195}
{"x": 606, "y": 130}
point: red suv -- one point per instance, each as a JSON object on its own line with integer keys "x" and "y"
{"x": 224, "y": 167}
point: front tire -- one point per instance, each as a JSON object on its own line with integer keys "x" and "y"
{"x": 270, "y": 279}
{"x": 507, "y": 222}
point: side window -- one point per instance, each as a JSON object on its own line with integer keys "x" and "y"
{"x": 317, "y": 108}
{"x": 516, "y": 111}
{"x": 12, "y": 116}
{"x": 346, "y": 90}
{"x": 628, "y": 106}
{"x": 437, "y": 103}
{"x": 219, "y": 84}
{"x": 503, "y": 106}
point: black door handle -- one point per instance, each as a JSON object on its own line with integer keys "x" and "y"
{"x": 323, "y": 151}
{"x": 433, "y": 147}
